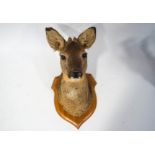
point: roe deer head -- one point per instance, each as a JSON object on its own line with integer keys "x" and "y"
{"x": 74, "y": 90}
{"x": 72, "y": 52}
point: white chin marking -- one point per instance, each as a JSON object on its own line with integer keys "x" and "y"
{"x": 75, "y": 79}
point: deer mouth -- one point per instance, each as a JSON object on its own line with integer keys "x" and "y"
{"x": 75, "y": 75}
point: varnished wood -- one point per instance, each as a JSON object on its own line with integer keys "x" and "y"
{"x": 76, "y": 121}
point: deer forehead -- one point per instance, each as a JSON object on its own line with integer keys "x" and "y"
{"x": 73, "y": 47}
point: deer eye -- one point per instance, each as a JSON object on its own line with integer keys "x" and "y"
{"x": 84, "y": 55}
{"x": 62, "y": 57}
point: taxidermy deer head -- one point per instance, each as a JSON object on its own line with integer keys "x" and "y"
{"x": 74, "y": 89}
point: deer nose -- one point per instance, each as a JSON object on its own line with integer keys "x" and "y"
{"x": 75, "y": 74}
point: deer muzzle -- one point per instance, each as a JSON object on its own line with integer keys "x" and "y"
{"x": 75, "y": 74}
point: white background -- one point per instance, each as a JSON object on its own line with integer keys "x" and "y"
{"x": 122, "y": 60}
{"x": 104, "y": 11}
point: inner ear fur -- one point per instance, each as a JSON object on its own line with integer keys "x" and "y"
{"x": 55, "y": 40}
{"x": 88, "y": 37}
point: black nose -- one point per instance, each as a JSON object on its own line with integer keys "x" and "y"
{"x": 75, "y": 74}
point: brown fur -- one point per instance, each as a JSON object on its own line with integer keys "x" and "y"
{"x": 74, "y": 94}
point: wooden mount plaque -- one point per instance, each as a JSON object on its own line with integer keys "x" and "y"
{"x": 76, "y": 121}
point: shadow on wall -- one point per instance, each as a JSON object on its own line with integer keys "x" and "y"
{"x": 140, "y": 57}
{"x": 95, "y": 52}
{"x": 135, "y": 111}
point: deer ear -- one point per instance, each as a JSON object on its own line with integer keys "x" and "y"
{"x": 87, "y": 38}
{"x": 55, "y": 40}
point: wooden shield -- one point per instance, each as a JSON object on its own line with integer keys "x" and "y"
{"x": 76, "y": 121}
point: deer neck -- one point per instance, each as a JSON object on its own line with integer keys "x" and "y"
{"x": 74, "y": 95}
